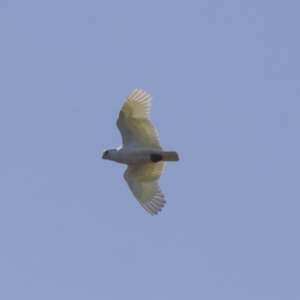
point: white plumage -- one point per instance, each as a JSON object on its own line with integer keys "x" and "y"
{"x": 141, "y": 151}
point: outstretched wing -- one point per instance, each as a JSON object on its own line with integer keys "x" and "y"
{"x": 134, "y": 122}
{"x": 142, "y": 181}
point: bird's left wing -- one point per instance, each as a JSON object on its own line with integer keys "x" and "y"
{"x": 134, "y": 122}
{"x": 142, "y": 181}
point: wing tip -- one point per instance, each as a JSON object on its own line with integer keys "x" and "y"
{"x": 140, "y": 94}
{"x": 154, "y": 206}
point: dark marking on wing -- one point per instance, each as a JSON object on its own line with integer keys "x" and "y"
{"x": 156, "y": 157}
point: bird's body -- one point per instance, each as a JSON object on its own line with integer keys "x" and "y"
{"x": 141, "y": 151}
{"x": 137, "y": 156}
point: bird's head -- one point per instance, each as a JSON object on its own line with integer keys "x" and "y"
{"x": 109, "y": 154}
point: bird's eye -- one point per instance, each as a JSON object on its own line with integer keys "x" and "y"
{"x": 106, "y": 152}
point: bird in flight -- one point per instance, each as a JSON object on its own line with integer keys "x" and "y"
{"x": 141, "y": 151}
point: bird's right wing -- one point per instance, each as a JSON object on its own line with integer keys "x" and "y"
{"x": 142, "y": 181}
{"x": 134, "y": 122}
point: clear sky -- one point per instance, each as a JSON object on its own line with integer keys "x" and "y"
{"x": 225, "y": 77}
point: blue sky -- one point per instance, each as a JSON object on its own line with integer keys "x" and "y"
{"x": 225, "y": 80}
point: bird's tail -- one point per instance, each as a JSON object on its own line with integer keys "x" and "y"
{"x": 170, "y": 156}
{"x": 164, "y": 156}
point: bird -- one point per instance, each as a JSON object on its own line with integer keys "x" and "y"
{"x": 141, "y": 151}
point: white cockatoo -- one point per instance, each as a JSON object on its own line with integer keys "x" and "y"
{"x": 141, "y": 151}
